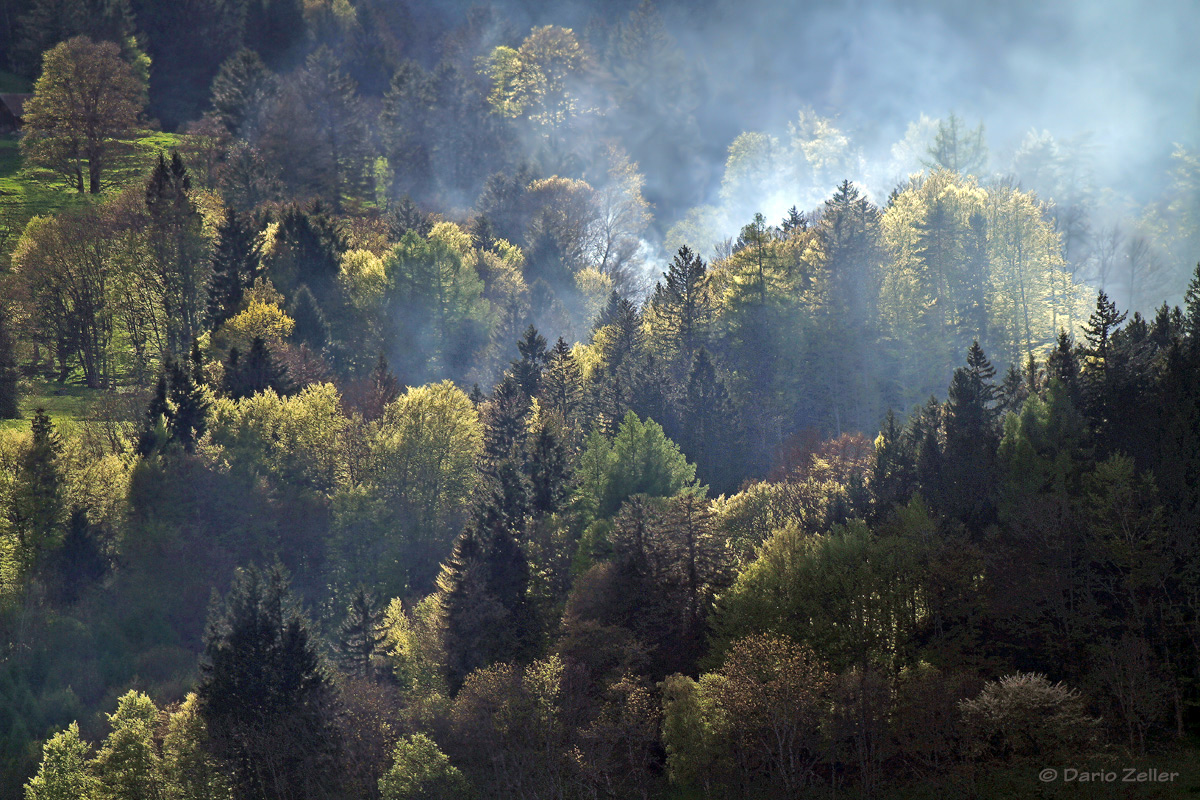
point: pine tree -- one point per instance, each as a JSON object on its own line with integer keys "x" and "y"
{"x": 237, "y": 260}
{"x": 179, "y": 248}
{"x": 482, "y": 588}
{"x": 154, "y": 426}
{"x": 549, "y": 467}
{"x": 264, "y": 694}
{"x": 504, "y": 425}
{"x": 1063, "y": 365}
{"x": 360, "y": 634}
{"x": 893, "y": 475}
{"x": 189, "y": 401}
{"x": 1191, "y": 318}
{"x": 708, "y": 425}
{"x": 240, "y": 88}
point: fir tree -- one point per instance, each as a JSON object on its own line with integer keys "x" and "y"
{"x": 681, "y": 307}
{"x": 486, "y": 615}
{"x": 968, "y": 459}
{"x": 154, "y": 426}
{"x": 189, "y": 401}
{"x": 240, "y": 88}
{"x": 561, "y": 385}
{"x": 1191, "y": 317}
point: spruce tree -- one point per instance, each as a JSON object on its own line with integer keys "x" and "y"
{"x": 707, "y": 425}
{"x": 188, "y": 417}
{"x": 255, "y": 372}
{"x": 561, "y": 385}
{"x": 360, "y": 634}
{"x": 237, "y": 260}
{"x": 681, "y": 307}
{"x": 264, "y": 695}
{"x": 528, "y": 370}
{"x": 311, "y": 327}
{"x": 1191, "y": 317}
{"x": 35, "y": 511}
{"x": 239, "y": 90}
{"x": 968, "y": 459}
{"x": 482, "y": 589}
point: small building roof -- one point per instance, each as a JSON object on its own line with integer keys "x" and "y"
{"x": 15, "y": 103}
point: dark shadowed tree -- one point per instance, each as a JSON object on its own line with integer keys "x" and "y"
{"x": 264, "y": 694}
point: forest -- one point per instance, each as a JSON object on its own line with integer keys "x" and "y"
{"x": 560, "y": 402}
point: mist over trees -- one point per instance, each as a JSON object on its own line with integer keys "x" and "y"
{"x": 546, "y": 401}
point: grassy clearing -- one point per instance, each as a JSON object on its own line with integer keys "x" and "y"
{"x": 27, "y": 191}
{"x": 65, "y": 404}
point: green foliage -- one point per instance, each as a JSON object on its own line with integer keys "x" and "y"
{"x": 63, "y": 774}
{"x": 420, "y": 771}
{"x": 86, "y": 100}
{"x": 640, "y": 459}
{"x": 128, "y": 762}
{"x": 854, "y": 597}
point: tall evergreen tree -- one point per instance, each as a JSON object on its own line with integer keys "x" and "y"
{"x": 257, "y": 371}
{"x": 35, "y": 510}
{"x": 264, "y": 695}
{"x": 528, "y": 370}
{"x": 482, "y": 588}
{"x": 968, "y": 460}
{"x": 237, "y": 260}
{"x": 681, "y": 308}
{"x": 360, "y": 634}
{"x": 9, "y": 374}
{"x": 239, "y": 91}
{"x": 311, "y": 327}
{"x": 180, "y": 251}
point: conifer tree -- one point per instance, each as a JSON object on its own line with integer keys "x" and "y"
{"x": 240, "y": 88}
{"x": 549, "y": 467}
{"x": 180, "y": 251}
{"x": 360, "y": 634}
{"x": 1191, "y": 317}
{"x": 311, "y": 327}
{"x": 189, "y": 400}
{"x": 264, "y": 694}
{"x": 561, "y": 385}
{"x": 528, "y": 370}
{"x": 36, "y": 507}
{"x": 237, "y": 260}
{"x": 708, "y": 426}
{"x": 9, "y": 374}
{"x": 257, "y": 371}
{"x": 482, "y": 588}
{"x": 681, "y": 307}
{"x": 968, "y": 459}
